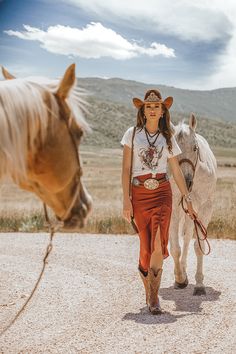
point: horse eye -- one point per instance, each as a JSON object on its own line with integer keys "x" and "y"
{"x": 195, "y": 148}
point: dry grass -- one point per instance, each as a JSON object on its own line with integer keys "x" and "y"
{"x": 21, "y": 211}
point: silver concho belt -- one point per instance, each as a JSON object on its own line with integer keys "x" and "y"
{"x": 149, "y": 183}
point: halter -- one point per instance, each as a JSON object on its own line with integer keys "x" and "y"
{"x": 193, "y": 165}
{"x": 78, "y": 174}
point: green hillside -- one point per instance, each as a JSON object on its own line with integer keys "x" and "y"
{"x": 109, "y": 120}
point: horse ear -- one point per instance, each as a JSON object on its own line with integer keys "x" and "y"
{"x": 67, "y": 82}
{"x": 192, "y": 122}
{"x": 168, "y": 102}
{"x": 7, "y": 75}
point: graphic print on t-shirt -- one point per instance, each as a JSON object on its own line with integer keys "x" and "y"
{"x": 150, "y": 156}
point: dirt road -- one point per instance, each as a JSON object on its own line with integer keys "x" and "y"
{"x": 91, "y": 299}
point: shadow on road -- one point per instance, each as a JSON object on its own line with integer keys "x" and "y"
{"x": 183, "y": 301}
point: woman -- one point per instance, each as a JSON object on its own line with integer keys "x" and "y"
{"x": 150, "y": 202}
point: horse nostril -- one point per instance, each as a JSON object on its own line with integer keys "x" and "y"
{"x": 189, "y": 181}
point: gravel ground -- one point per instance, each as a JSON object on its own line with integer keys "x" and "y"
{"x": 91, "y": 299}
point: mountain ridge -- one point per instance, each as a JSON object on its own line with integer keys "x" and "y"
{"x": 217, "y": 104}
{"x": 109, "y": 120}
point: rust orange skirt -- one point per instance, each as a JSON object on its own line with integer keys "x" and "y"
{"x": 152, "y": 208}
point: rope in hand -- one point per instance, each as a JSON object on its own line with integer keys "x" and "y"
{"x": 198, "y": 225}
{"x": 52, "y": 230}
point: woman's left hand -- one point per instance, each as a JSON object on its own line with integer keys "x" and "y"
{"x": 192, "y": 213}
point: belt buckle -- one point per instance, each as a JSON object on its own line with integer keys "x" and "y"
{"x": 151, "y": 183}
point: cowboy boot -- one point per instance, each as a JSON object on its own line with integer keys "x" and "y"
{"x": 154, "y": 281}
{"x": 144, "y": 277}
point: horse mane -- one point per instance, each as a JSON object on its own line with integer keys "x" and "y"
{"x": 24, "y": 115}
{"x": 180, "y": 129}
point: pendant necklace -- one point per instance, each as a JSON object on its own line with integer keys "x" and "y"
{"x": 152, "y": 135}
{"x": 152, "y": 145}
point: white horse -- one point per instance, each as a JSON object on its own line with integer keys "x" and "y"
{"x": 199, "y": 168}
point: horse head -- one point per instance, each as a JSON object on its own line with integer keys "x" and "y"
{"x": 41, "y": 126}
{"x": 186, "y": 138}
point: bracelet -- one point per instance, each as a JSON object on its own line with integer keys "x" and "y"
{"x": 187, "y": 197}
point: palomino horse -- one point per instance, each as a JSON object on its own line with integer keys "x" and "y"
{"x": 199, "y": 168}
{"x": 41, "y": 125}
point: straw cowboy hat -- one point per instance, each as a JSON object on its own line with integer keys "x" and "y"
{"x": 153, "y": 96}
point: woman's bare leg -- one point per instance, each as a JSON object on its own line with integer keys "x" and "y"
{"x": 154, "y": 275}
{"x": 156, "y": 261}
{"x": 144, "y": 254}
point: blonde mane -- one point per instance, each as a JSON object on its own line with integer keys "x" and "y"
{"x": 23, "y": 114}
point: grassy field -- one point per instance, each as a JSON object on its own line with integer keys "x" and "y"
{"x": 21, "y": 211}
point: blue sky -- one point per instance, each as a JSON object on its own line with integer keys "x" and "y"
{"x": 181, "y": 43}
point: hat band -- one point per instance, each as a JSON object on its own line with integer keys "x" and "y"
{"x": 153, "y": 98}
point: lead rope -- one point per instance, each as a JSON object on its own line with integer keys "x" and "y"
{"x": 199, "y": 225}
{"x": 52, "y": 230}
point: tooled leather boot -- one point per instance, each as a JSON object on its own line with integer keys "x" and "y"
{"x": 154, "y": 281}
{"x": 144, "y": 277}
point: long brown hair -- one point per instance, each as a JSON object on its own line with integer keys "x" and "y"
{"x": 164, "y": 121}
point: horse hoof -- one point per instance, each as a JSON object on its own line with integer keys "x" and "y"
{"x": 199, "y": 291}
{"x": 181, "y": 285}
{"x": 156, "y": 310}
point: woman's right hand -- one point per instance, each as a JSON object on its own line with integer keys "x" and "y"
{"x": 127, "y": 209}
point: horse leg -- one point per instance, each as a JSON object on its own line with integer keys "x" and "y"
{"x": 175, "y": 251}
{"x": 205, "y": 216}
{"x": 199, "y": 288}
{"x": 187, "y": 236}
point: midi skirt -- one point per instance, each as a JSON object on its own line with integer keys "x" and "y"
{"x": 152, "y": 209}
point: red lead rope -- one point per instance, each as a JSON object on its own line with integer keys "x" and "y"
{"x": 199, "y": 226}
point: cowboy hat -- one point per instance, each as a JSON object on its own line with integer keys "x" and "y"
{"x": 153, "y": 96}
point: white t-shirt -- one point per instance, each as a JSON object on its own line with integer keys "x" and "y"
{"x": 148, "y": 159}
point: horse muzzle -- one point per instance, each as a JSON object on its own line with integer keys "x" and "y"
{"x": 188, "y": 181}
{"x": 73, "y": 224}
{"x": 78, "y": 217}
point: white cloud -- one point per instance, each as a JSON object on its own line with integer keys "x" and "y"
{"x": 187, "y": 20}
{"x": 93, "y": 41}
{"x": 195, "y": 21}
{"x": 225, "y": 75}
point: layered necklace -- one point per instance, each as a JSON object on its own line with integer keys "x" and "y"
{"x": 152, "y": 147}
{"x": 149, "y": 135}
